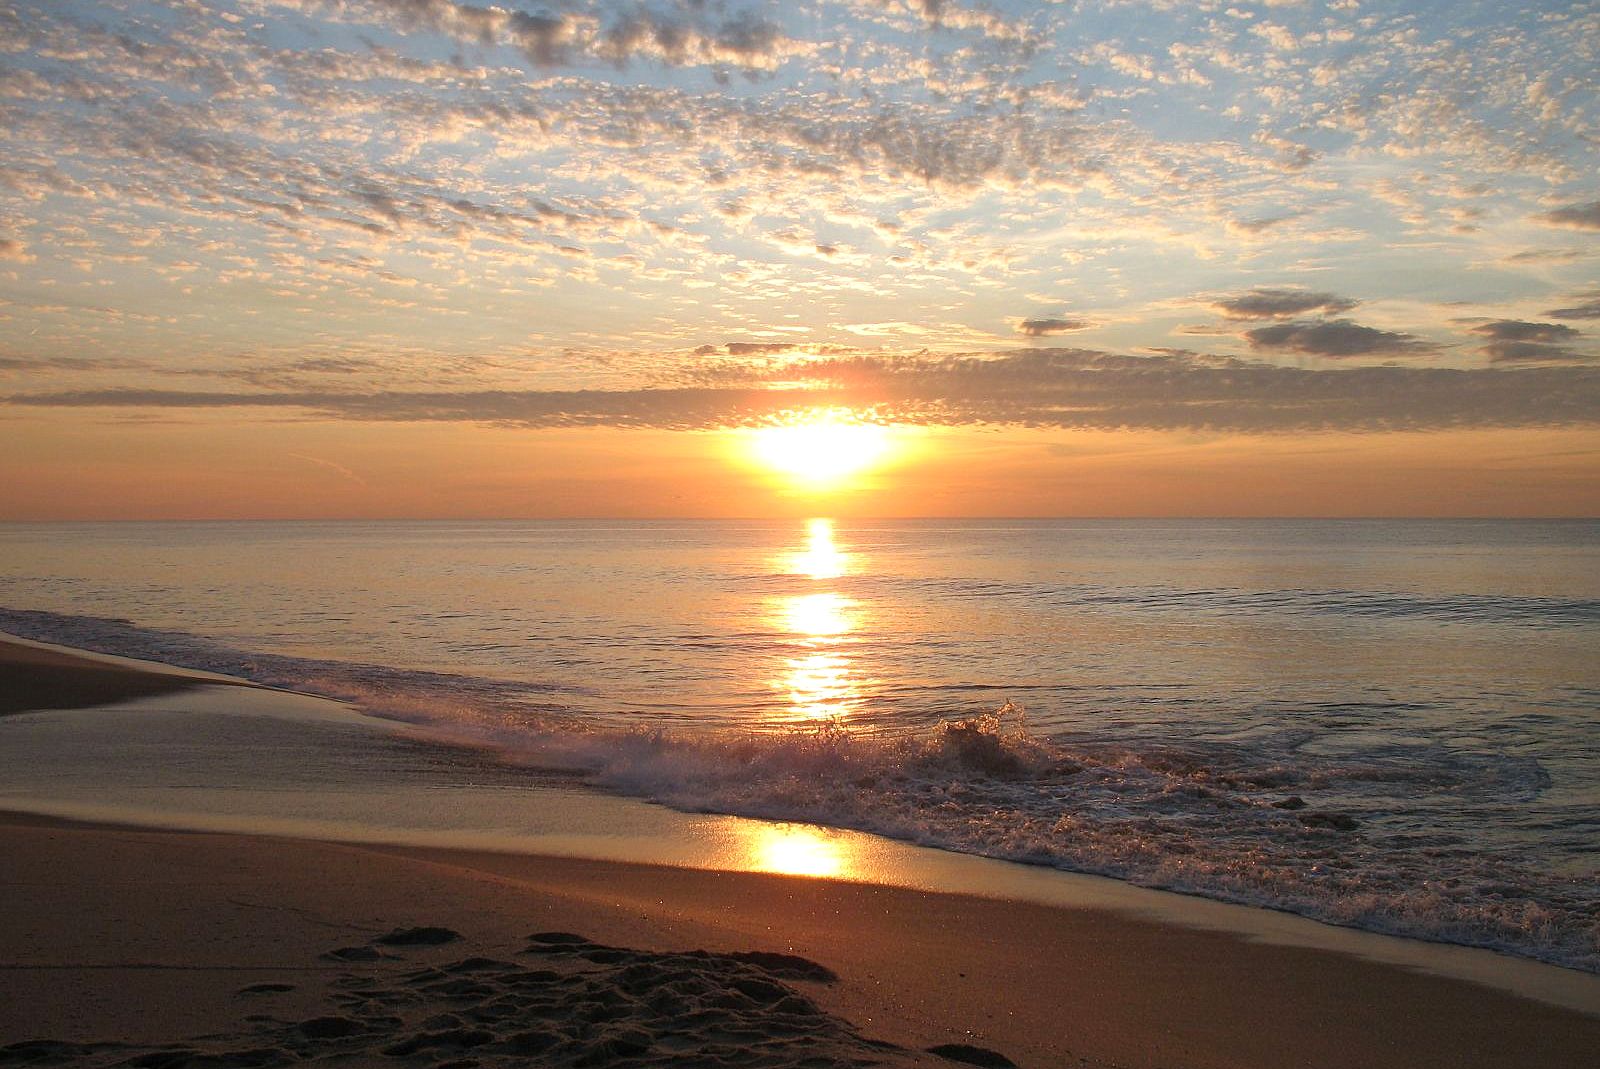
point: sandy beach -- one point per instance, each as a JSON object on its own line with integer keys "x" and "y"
{"x": 178, "y": 948}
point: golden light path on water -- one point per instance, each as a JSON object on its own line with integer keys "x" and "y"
{"x": 821, "y": 559}
{"x": 820, "y": 679}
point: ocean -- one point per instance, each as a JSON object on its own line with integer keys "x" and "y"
{"x": 1391, "y": 725}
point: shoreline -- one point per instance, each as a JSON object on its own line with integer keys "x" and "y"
{"x": 1042, "y": 983}
{"x": 182, "y": 919}
{"x": 41, "y": 675}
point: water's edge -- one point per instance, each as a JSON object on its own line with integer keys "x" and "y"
{"x": 818, "y": 779}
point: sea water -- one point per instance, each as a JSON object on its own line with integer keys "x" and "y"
{"x": 1388, "y": 724}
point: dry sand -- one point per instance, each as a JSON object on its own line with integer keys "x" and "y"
{"x": 182, "y": 949}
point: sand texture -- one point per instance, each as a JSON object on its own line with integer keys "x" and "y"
{"x": 562, "y": 1001}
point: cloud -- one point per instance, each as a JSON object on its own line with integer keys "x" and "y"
{"x": 1527, "y": 352}
{"x": 744, "y": 39}
{"x": 14, "y": 250}
{"x": 296, "y": 169}
{"x": 1257, "y": 227}
{"x": 1574, "y": 216}
{"x": 1280, "y": 304}
{"x": 688, "y": 33}
{"x": 748, "y": 348}
{"x": 1516, "y": 341}
{"x": 1336, "y": 338}
{"x": 70, "y": 363}
{"x": 1588, "y": 309}
{"x": 1544, "y": 256}
{"x": 1519, "y": 330}
{"x": 1040, "y": 328}
{"x": 1072, "y": 388}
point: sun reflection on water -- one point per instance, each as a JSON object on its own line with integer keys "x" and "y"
{"x": 820, "y": 686}
{"x": 820, "y": 678}
{"x": 821, "y": 559}
{"x": 819, "y": 615}
{"x": 797, "y": 851}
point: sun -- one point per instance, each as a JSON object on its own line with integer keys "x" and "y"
{"x": 823, "y": 450}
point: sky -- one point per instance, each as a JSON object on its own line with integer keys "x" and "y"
{"x": 368, "y": 258}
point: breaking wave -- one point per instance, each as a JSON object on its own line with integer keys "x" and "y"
{"x": 1410, "y": 837}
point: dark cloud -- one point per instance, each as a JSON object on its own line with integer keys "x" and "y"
{"x": 1281, "y": 304}
{"x": 1575, "y": 216}
{"x": 1257, "y": 226}
{"x": 12, "y": 249}
{"x": 1530, "y": 352}
{"x": 68, "y": 363}
{"x": 1519, "y": 341}
{"x": 690, "y": 32}
{"x": 1540, "y": 256}
{"x": 747, "y": 348}
{"x": 1336, "y": 338}
{"x": 1516, "y": 341}
{"x": 1043, "y": 388}
{"x": 542, "y": 38}
{"x": 746, "y": 34}
{"x": 1039, "y": 328}
{"x": 1589, "y": 308}
{"x": 1519, "y": 330}
{"x": 744, "y": 37}
{"x": 756, "y": 348}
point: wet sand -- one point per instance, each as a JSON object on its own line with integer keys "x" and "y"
{"x": 36, "y": 677}
{"x": 125, "y": 943}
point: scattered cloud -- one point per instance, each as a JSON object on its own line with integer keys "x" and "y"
{"x": 1545, "y": 256}
{"x": 674, "y": 34}
{"x": 1587, "y": 308}
{"x": 1336, "y": 338}
{"x": 1255, "y": 228}
{"x": 748, "y": 348}
{"x": 1574, "y": 216}
{"x": 339, "y": 194}
{"x": 1519, "y": 341}
{"x": 1519, "y": 330}
{"x": 1041, "y": 328}
{"x": 1280, "y": 304}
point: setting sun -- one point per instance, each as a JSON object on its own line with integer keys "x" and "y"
{"x": 823, "y": 450}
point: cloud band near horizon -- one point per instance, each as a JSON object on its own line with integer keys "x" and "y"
{"x": 1042, "y": 388}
